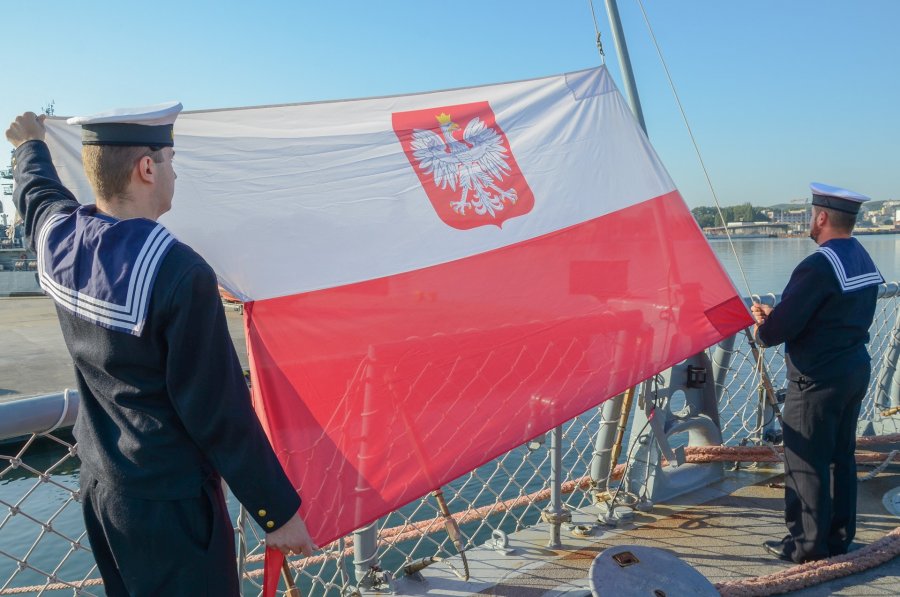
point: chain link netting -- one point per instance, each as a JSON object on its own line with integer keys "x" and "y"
{"x": 43, "y": 547}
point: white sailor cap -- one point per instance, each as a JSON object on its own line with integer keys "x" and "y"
{"x": 836, "y": 198}
{"x": 150, "y": 126}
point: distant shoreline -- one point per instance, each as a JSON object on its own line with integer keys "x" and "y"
{"x": 862, "y": 232}
{"x": 771, "y": 237}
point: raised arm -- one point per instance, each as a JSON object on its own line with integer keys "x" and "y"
{"x": 27, "y": 127}
{"x": 38, "y": 191}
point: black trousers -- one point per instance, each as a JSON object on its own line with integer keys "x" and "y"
{"x": 161, "y": 547}
{"x": 820, "y": 465}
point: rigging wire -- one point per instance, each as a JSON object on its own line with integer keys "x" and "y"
{"x": 696, "y": 148}
{"x": 597, "y": 31}
{"x": 760, "y": 362}
{"x": 758, "y": 370}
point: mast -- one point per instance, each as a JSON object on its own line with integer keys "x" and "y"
{"x": 615, "y": 23}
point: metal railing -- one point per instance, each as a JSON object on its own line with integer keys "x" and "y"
{"x": 43, "y": 548}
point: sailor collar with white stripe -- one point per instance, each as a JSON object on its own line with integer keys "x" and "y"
{"x": 852, "y": 265}
{"x": 110, "y": 288}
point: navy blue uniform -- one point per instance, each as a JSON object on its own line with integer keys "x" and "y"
{"x": 165, "y": 410}
{"x": 823, "y": 319}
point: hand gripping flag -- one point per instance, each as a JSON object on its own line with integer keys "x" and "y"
{"x": 431, "y": 280}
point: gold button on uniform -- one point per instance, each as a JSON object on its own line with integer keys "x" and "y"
{"x": 262, "y": 513}
{"x": 270, "y": 524}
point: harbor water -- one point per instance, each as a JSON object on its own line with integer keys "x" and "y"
{"x": 766, "y": 263}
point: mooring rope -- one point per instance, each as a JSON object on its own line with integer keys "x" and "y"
{"x": 693, "y": 455}
{"x": 814, "y": 573}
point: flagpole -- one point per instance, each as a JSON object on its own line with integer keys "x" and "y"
{"x": 612, "y": 11}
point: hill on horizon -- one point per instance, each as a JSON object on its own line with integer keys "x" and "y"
{"x": 870, "y": 205}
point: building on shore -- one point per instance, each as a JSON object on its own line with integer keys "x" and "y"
{"x": 797, "y": 219}
{"x": 749, "y": 230}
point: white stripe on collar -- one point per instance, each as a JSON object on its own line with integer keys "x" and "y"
{"x": 129, "y": 317}
{"x": 849, "y": 283}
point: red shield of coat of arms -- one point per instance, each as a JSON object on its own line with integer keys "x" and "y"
{"x": 465, "y": 164}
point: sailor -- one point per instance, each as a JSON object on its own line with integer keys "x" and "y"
{"x": 165, "y": 412}
{"x": 823, "y": 319}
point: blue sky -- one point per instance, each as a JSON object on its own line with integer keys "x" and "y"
{"x": 779, "y": 92}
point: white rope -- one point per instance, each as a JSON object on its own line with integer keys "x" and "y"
{"x": 65, "y": 411}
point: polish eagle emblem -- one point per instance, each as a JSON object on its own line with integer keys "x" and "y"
{"x": 465, "y": 164}
{"x": 473, "y": 166}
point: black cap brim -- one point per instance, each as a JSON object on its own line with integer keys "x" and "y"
{"x": 138, "y": 135}
{"x": 836, "y": 203}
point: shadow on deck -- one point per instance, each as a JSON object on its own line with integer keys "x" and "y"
{"x": 718, "y": 530}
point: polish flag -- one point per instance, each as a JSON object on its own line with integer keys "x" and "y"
{"x": 432, "y": 280}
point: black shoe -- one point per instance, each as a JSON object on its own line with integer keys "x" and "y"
{"x": 852, "y": 547}
{"x": 776, "y": 548}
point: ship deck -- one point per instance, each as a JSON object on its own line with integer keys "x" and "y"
{"x": 718, "y": 530}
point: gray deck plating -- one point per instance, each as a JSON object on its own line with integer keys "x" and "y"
{"x": 718, "y": 530}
